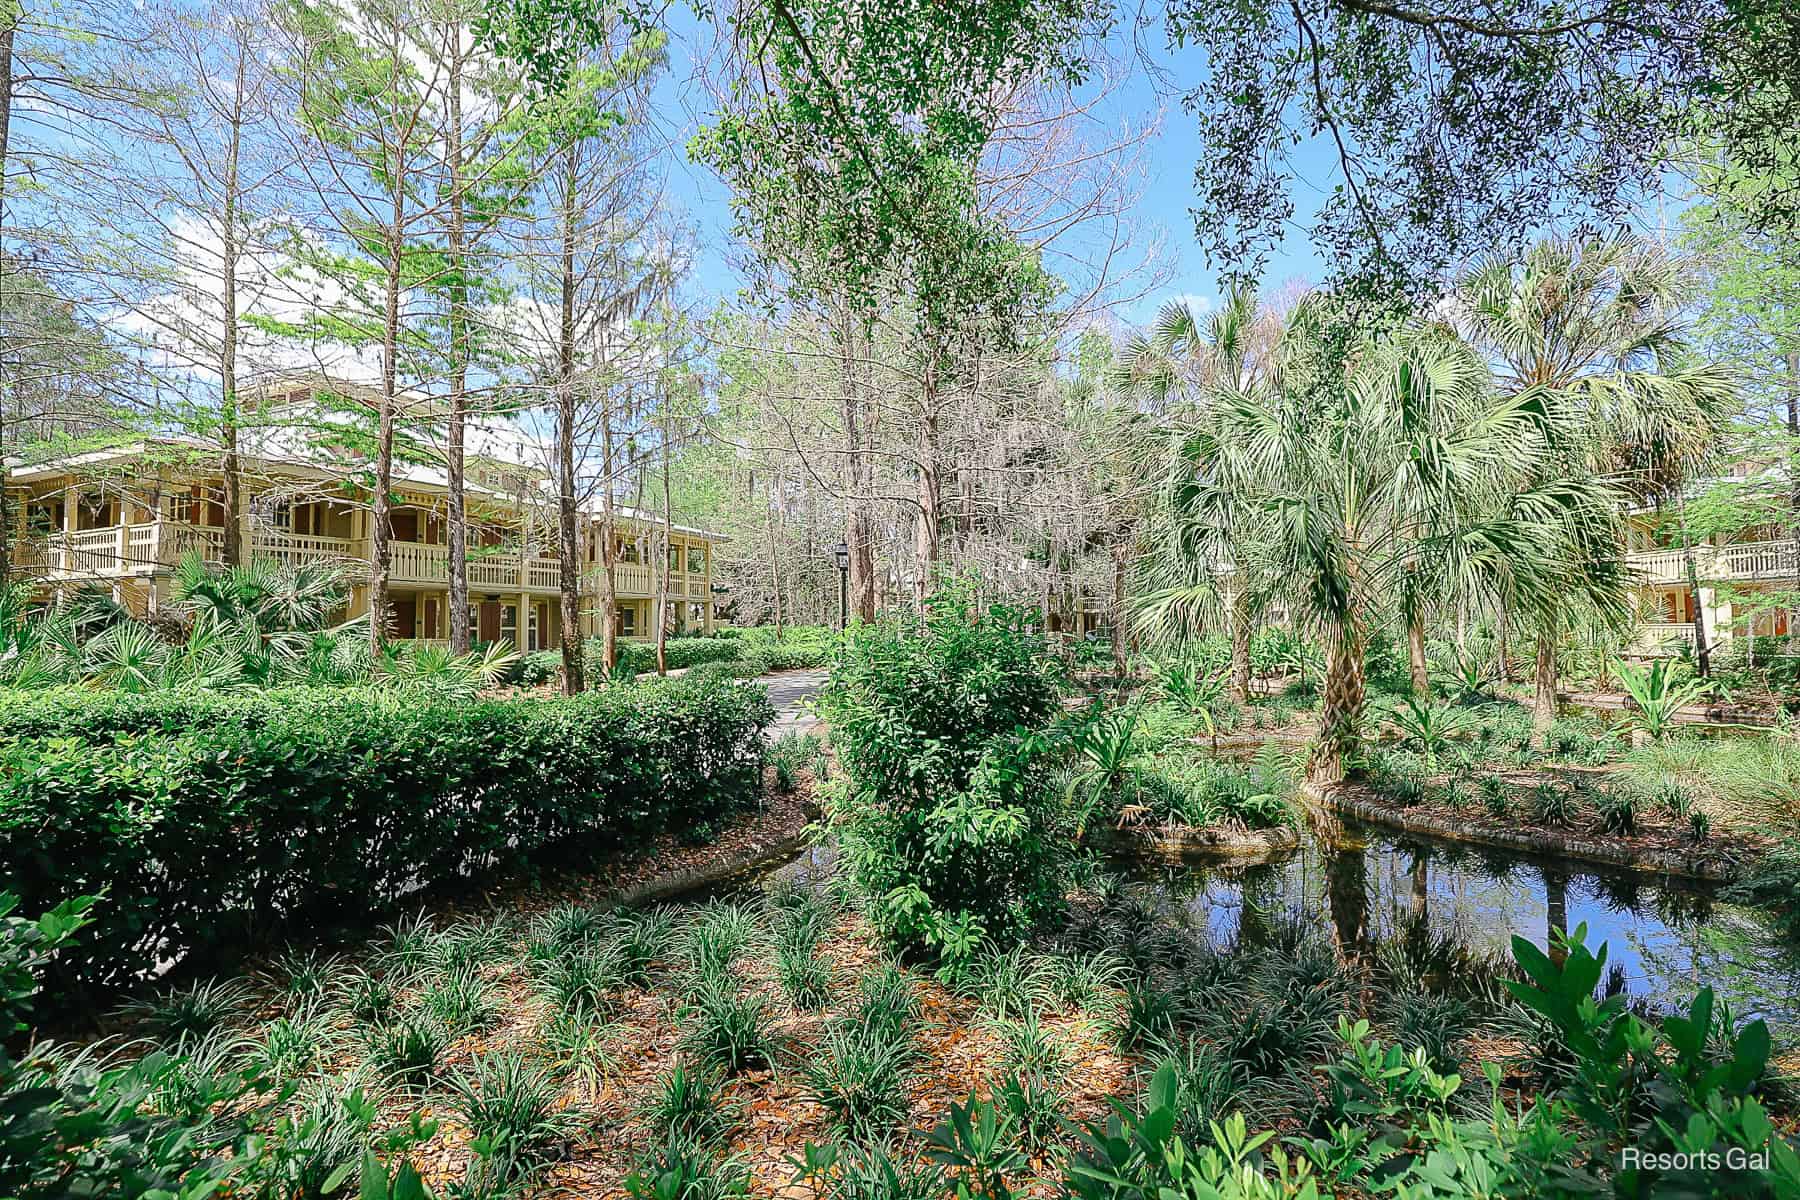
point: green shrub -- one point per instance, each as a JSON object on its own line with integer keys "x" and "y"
{"x": 680, "y": 653}
{"x": 248, "y": 816}
{"x": 945, "y": 817}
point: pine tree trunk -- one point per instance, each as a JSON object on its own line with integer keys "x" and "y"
{"x": 1793, "y": 424}
{"x": 381, "y": 534}
{"x": 609, "y": 580}
{"x": 1341, "y": 706}
{"x": 662, "y": 624}
{"x": 457, "y": 519}
{"x": 233, "y": 550}
{"x": 569, "y": 549}
{"x": 7, "y": 29}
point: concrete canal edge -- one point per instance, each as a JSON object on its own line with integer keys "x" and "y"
{"x": 743, "y": 861}
{"x": 1183, "y": 842}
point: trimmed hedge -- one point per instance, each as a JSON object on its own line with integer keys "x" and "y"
{"x": 764, "y": 653}
{"x": 217, "y": 822}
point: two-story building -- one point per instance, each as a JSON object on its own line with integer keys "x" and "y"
{"x": 1740, "y": 584}
{"x": 123, "y": 517}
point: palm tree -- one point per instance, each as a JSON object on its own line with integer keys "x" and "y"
{"x": 1588, "y": 333}
{"x": 1198, "y": 568}
{"x": 1388, "y": 460}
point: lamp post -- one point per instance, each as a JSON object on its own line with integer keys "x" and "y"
{"x": 843, "y": 564}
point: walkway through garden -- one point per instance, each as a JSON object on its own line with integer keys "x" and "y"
{"x": 790, "y": 690}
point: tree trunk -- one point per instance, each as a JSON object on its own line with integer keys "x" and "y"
{"x": 1702, "y": 652}
{"x": 930, "y": 496}
{"x": 857, "y": 532}
{"x": 1240, "y": 646}
{"x": 774, "y": 558}
{"x": 662, "y": 623}
{"x": 457, "y": 519}
{"x": 1793, "y": 424}
{"x": 11, "y": 23}
{"x": 1501, "y": 666}
{"x": 1415, "y": 653}
{"x": 1120, "y": 559}
{"x": 381, "y": 535}
{"x": 1543, "y": 702}
{"x": 569, "y": 550}
{"x": 231, "y": 473}
{"x": 1341, "y": 706}
{"x": 609, "y": 581}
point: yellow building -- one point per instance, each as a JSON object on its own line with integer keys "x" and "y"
{"x": 1730, "y": 572}
{"x": 123, "y": 517}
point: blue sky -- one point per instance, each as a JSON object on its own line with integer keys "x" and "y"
{"x": 1162, "y": 211}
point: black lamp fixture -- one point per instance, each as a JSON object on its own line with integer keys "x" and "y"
{"x": 843, "y": 565}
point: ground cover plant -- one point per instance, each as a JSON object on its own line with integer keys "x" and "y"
{"x": 1068, "y": 1065}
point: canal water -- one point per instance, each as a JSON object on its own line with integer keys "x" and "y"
{"x": 1365, "y": 884}
{"x": 1361, "y": 885}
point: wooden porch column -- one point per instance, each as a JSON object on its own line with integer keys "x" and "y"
{"x": 524, "y": 645}
{"x": 706, "y": 606}
{"x": 71, "y": 498}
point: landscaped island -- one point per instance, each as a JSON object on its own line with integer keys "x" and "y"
{"x": 966, "y": 1000}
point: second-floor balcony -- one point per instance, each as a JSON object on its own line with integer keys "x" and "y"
{"x": 1742, "y": 562}
{"x": 139, "y": 550}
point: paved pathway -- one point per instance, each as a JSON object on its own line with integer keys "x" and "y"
{"x": 789, "y": 690}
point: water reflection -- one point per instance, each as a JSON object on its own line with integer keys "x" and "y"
{"x": 1369, "y": 886}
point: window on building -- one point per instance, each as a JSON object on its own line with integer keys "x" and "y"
{"x": 532, "y": 627}
{"x": 697, "y": 559}
{"x": 509, "y": 623}
{"x": 626, "y": 626}
{"x": 628, "y": 550}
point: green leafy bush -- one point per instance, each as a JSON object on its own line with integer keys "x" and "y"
{"x": 945, "y": 814}
{"x": 745, "y": 653}
{"x": 217, "y": 827}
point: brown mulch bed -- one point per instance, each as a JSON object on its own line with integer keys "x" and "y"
{"x": 958, "y": 1048}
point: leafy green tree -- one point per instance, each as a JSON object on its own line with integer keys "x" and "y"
{"x": 1455, "y": 126}
{"x": 366, "y": 99}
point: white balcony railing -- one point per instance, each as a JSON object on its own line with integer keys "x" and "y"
{"x": 1659, "y": 566}
{"x": 1662, "y": 637}
{"x": 1745, "y": 561}
{"x": 635, "y": 580}
{"x": 144, "y": 548}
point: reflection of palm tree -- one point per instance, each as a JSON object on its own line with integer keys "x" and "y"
{"x": 1420, "y": 895}
{"x": 1556, "y": 905}
{"x": 1347, "y": 894}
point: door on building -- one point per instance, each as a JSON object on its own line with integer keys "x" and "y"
{"x": 405, "y": 620}
{"x": 488, "y": 621}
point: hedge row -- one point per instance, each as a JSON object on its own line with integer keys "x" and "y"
{"x": 216, "y": 823}
{"x": 754, "y": 656}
